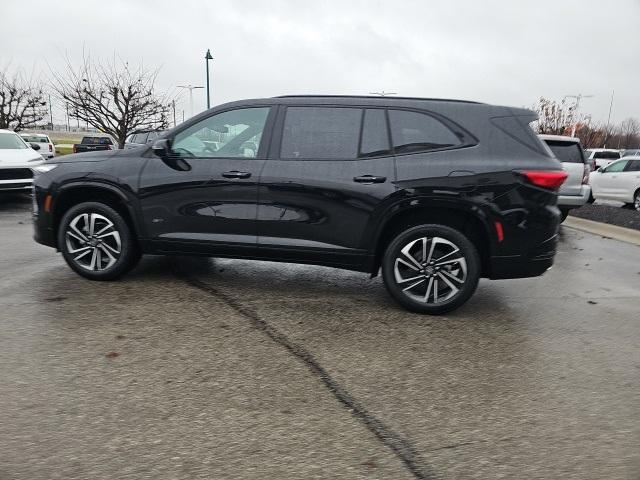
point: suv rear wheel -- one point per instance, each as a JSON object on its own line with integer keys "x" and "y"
{"x": 431, "y": 269}
{"x": 96, "y": 242}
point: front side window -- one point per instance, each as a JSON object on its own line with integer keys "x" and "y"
{"x": 616, "y": 167}
{"x": 236, "y": 133}
{"x": 414, "y": 132}
{"x": 321, "y": 133}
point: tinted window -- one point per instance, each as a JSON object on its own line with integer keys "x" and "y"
{"x": 606, "y": 155}
{"x": 96, "y": 141}
{"x": 236, "y": 133}
{"x": 413, "y": 132}
{"x": 375, "y": 138}
{"x": 616, "y": 167}
{"x": 321, "y": 132}
{"x": 633, "y": 166}
{"x": 566, "y": 151}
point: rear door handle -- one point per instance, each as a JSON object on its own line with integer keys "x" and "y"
{"x": 236, "y": 174}
{"x": 369, "y": 179}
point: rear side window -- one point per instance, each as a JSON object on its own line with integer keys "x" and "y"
{"x": 321, "y": 133}
{"x": 566, "y": 151}
{"x": 518, "y": 128}
{"x": 375, "y": 138}
{"x": 607, "y": 155}
{"x": 414, "y": 132}
{"x": 633, "y": 166}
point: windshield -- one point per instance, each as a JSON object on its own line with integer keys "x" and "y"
{"x": 11, "y": 141}
{"x": 566, "y": 151}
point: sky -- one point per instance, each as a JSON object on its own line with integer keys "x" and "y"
{"x": 503, "y": 52}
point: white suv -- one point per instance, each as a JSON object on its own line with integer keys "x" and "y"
{"x": 575, "y": 191}
{"x": 618, "y": 181}
{"x": 601, "y": 157}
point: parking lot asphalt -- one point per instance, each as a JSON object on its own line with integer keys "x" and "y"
{"x": 210, "y": 368}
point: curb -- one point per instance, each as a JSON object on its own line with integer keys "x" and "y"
{"x": 603, "y": 229}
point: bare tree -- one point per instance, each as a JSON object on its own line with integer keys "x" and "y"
{"x": 630, "y": 133}
{"x": 22, "y": 104}
{"x": 112, "y": 97}
{"x": 554, "y": 117}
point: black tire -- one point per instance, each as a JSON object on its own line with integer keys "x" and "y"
{"x": 636, "y": 201}
{"x": 591, "y": 198}
{"x": 394, "y": 268}
{"x": 110, "y": 256}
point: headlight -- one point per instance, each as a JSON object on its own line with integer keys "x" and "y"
{"x": 44, "y": 168}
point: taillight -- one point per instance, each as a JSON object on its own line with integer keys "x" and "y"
{"x": 50, "y": 148}
{"x": 545, "y": 179}
{"x": 585, "y": 174}
{"x": 75, "y": 149}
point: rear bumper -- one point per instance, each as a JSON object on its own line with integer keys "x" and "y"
{"x": 574, "y": 201}
{"x": 531, "y": 264}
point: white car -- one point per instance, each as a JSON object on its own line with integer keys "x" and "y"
{"x": 47, "y": 148}
{"x": 17, "y": 162}
{"x": 619, "y": 181}
{"x": 601, "y": 157}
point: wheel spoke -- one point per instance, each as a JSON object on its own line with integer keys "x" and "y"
{"x": 405, "y": 280}
{"x": 107, "y": 246}
{"x": 92, "y": 265}
{"x": 446, "y": 262}
{"x": 407, "y": 254}
{"x": 453, "y": 288}
{"x": 452, "y": 276}
{"x": 77, "y": 250}
{"x": 433, "y": 245}
{"x": 435, "y": 290}
{"x": 413, "y": 285}
{"x": 82, "y": 254}
{"x": 104, "y": 229}
{"x": 446, "y": 255}
{"x": 77, "y": 231}
{"x": 112, "y": 259}
{"x": 407, "y": 264}
{"x": 92, "y": 223}
{"x": 426, "y": 295}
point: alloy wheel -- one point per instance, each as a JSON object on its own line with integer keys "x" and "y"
{"x": 93, "y": 241}
{"x": 430, "y": 270}
{"x": 636, "y": 202}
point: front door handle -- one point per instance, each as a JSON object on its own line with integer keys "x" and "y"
{"x": 236, "y": 174}
{"x": 369, "y": 179}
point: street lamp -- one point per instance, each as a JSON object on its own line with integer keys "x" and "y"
{"x": 190, "y": 88}
{"x": 382, "y": 93}
{"x": 577, "y": 97}
{"x": 208, "y": 57}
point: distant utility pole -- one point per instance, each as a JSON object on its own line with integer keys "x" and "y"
{"x": 174, "y": 112}
{"x": 68, "y": 126}
{"x": 50, "y": 112}
{"x": 382, "y": 93}
{"x": 606, "y": 136}
{"x": 191, "y": 88}
{"x": 577, "y": 97}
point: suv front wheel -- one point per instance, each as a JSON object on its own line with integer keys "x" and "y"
{"x": 431, "y": 269}
{"x": 96, "y": 242}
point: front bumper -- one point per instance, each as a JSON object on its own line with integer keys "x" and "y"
{"x": 575, "y": 201}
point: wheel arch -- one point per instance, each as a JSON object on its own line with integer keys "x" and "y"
{"x": 76, "y": 193}
{"x": 470, "y": 221}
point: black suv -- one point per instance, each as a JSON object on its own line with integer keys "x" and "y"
{"x": 437, "y": 193}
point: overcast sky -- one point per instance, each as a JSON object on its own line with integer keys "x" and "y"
{"x": 503, "y": 52}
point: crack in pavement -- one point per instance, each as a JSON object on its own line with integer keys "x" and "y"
{"x": 398, "y": 445}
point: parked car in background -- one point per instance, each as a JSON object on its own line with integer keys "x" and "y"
{"x": 17, "y": 159}
{"x": 575, "y": 191}
{"x": 619, "y": 181}
{"x": 94, "y": 143}
{"x": 601, "y": 157}
{"x": 141, "y": 138}
{"x": 47, "y": 148}
{"x": 435, "y": 193}
{"x": 629, "y": 153}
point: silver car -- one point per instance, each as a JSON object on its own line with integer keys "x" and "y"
{"x": 575, "y": 191}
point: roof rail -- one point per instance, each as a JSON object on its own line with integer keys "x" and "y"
{"x": 378, "y": 97}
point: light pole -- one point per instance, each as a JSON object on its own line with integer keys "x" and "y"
{"x": 208, "y": 57}
{"x": 606, "y": 134}
{"x": 578, "y": 97}
{"x": 190, "y": 88}
{"x": 50, "y": 112}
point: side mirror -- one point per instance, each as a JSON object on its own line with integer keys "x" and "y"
{"x": 601, "y": 170}
{"x": 162, "y": 148}
{"x": 35, "y": 146}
